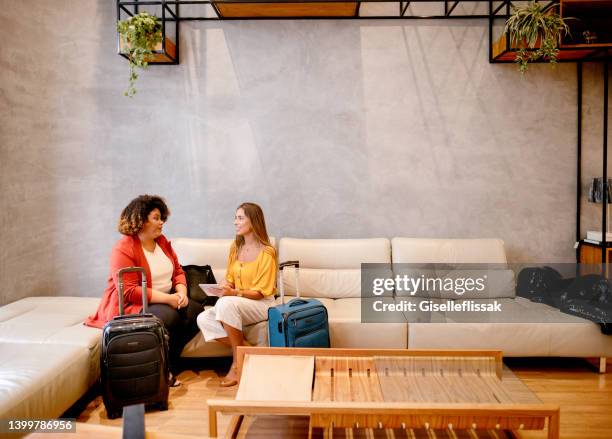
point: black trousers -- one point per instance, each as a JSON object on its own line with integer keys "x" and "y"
{"x": 181, "y": 325}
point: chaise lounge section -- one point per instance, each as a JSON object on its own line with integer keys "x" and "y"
{"x": 48, "y": 358}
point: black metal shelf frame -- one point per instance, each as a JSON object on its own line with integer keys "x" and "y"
{"x": 604, "y": 162}
{"x": 449, "y": 8}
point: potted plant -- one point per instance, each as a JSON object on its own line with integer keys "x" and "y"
{"x": 536, "y": 30}
{"x": 139, "y": 36}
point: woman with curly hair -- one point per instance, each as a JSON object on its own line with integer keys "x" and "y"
{"x": 143, "y": 245}
{"x": 248, "y": 287}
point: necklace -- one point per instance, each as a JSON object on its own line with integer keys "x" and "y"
{"x": 248, "y": 250}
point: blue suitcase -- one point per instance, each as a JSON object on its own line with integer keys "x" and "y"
{"x": 299, "y": 323}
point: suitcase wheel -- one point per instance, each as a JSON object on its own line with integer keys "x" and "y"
{"x": 163, "y": 406}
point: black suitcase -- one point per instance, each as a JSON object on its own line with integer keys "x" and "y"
{"x": 134, "y": 357}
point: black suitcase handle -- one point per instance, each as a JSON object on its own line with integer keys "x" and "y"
{"x": 120, "y": 274}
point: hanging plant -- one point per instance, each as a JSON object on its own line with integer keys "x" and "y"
{"x": 139, "y": 35}
{"x": 535, "y": 25}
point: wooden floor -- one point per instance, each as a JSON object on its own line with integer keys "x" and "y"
{"x": 584, "y": 395}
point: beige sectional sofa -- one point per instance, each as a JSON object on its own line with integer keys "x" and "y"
{"x": 48, "y": 359}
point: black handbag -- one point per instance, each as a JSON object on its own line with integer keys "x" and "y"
{"x": 196, "y": 275}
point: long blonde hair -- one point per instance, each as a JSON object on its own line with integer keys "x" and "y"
{"x": 254, "y": 213}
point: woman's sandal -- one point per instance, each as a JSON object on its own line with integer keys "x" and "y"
{"x": 173, "y": 382}
{"x": 225, "y": 382}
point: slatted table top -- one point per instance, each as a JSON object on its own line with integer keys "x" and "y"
{"x": 435, "y": 379}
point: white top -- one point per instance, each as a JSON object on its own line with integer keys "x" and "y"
{"x": 161, "y": 269}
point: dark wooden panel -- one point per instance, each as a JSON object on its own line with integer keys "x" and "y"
{"x": 271, "y": 10}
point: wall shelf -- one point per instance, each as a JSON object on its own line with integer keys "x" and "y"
{"x": 282, "y": 9}
{"x": 581, "y": 15}
{"x": 502, "y": 52}
{"x": 163, "y": 54}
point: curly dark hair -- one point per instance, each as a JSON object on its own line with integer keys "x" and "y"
{"x": 134, "y": 215}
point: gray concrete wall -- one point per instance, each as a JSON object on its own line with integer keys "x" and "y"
{"x": 337, "y": 128}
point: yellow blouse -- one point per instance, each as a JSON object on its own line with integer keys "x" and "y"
{"x": 258, "y": 275}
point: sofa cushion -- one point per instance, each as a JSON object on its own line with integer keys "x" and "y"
{"x": 200, "y": 251}
{"x": 196, "y": 251}
{"x": 317, "y": 282}
{"x": 496, "y": 283}
{"x": 43, "y": 380}
{"x": 450, "y": 251}
{"x": 331, "y": 268}
{"x": 528, "y": 330}
{"x": 445, "y": 281}
{"x": 514, "y": 339}
{"x": 256, "y": 334}
{"x": 347, "y": 331}
{"x": 50, "y": 320}
{"x": 335, "y": 253}
{"x": 198, "y": 347}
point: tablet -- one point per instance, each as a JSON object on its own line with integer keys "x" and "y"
{"x": 212, "y": 289}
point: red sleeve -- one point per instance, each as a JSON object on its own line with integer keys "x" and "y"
{"x": 178, "y": 277}
{"x": 123, "y": 258}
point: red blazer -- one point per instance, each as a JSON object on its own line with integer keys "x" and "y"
{"x": 128, "y": 252}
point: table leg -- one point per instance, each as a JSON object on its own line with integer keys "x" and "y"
{"x": 212, "y": 422}
{"x": 553, "y": 426}
{"x": 234, "y": 427}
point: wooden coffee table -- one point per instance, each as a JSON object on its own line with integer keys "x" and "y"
{"x": 391, "y": 389}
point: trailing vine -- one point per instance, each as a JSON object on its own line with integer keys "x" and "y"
{"x": 139, "y": 35}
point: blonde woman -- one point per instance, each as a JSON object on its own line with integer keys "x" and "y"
{"x": 248, "y": 288}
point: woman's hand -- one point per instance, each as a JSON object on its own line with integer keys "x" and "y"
{"x": 182, "y": 299}
{"x": 228, "y": 290}
{"x": 181, "y": 292}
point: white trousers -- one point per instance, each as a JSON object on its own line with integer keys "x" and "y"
{"x": 234, "y": 311}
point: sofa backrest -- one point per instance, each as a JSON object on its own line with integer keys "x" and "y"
{"x": 448, "y": 251}
{"x": 199, "y": 251}
{"x": 331, "y": 268}
{"x": 499, "y": 282}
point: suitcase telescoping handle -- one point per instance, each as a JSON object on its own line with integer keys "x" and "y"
{"x": 281, "y": 266}
{"x": 143, "y": 273}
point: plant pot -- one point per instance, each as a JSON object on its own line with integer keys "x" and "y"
{"x": 159, "y": 57}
